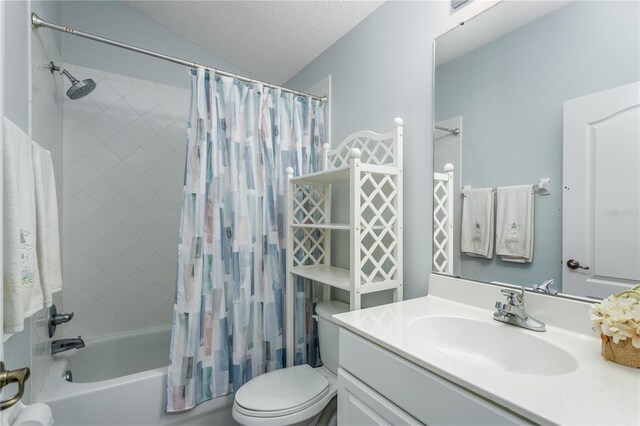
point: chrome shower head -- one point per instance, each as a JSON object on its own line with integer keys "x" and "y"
{"x": 79, "y": 89}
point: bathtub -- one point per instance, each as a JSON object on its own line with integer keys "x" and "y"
{"x": 120, "y": 380}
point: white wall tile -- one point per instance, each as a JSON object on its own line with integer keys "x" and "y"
{"x": 69, "y": 189}
{"x": 139, "y": 252}
{"x": 121, "y": 175}
{"x": 156, "y": 207}
{"x": 68, "y": 256}
{"x": 81, "y": 272}
{"x": 102, "y": 190}
{"x": 158, "y": 147}
{"x": 121, "y": 269}
{"x": 102, "y": 126}
{"x": 122, "y": 86}
{"x": 101, "y": 255}
{"x": 81, "y": 238}
{"x": 155, "y": 267}
{"x": 81, "y": 172}
{"x": 169, "y": 252}
{"x": 82, "y": 140}
{"x": 81, "y": 206}
{"x": 157, "y": 237}
{"x": 121, "y": 206}
{"x": 121, "y": 237}
{"x": 140, "y": 131}
{"x": 140, "y": 162}
{"x": 122, "y": 113}
{"x": 171, "y": 222}
{"x": 122, "y": 144}
{"x": 102, "y": 287}
{"x": 140, "y": 192}
{"x": 140, "y": 101}
{"x": 104, "y": 95}
{"x": 82, "y": 305}
{"x": 157, "y": 119}
{"x": 138, "y": 284}
{"x": 121, "y": 301}
{"x": 102, "y": 158}
{"x": 102, "y": 222}
{"x": 100, "y": 320}
{"x": 122, "y": 194}
{"x": 140, "y": 222}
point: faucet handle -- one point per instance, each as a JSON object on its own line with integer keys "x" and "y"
{"x": 515, "y": 297}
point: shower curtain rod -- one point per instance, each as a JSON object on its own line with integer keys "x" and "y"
{"x": 39, "y": 22}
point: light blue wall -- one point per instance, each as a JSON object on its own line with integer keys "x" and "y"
{"x": 111, "y": 19}
{"x": 510, "y": 93}
{"x": 380, "y": 70}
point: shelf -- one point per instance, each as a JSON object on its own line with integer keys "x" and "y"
{"x": 340, "y": 174}
{"x": 334, "y": 226}
{"x": 335, "y": 277}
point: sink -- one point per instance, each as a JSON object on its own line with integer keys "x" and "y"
{"x": 491, "y": 344}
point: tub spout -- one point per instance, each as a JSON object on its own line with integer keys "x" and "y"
{"x": 62, "y": 345}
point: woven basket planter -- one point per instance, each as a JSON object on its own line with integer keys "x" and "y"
{"x": 622, "y": 353}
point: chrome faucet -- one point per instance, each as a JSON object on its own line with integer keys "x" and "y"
{"x": 513, "y": 311}
{"x": 62, "y": 345}
{"x": 545, "y": 287}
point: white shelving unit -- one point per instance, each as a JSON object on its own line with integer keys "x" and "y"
{"x": 371, "y": 164}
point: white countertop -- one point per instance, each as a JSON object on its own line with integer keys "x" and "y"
{"x": 596, "y": 392}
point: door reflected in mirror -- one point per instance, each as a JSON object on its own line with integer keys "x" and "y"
{"x": 540, "y": 90}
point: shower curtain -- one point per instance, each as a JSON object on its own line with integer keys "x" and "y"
{"x": 228, "y": 323}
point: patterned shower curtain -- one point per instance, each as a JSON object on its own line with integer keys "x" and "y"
{"x": 228, "y": 323}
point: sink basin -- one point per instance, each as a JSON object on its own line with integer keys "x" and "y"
{"x": 496, "y": 345}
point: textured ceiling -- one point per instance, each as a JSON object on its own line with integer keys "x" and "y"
{"x": 271, "y": 39}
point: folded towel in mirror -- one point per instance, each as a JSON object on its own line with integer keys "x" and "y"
{"x": 515, "y": 223}
{"x": 477, "y": 231}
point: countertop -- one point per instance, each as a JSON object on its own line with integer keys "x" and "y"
{"x": 596, "y": 392}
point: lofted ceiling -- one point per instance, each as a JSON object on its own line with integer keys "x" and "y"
{"x": 271, "y": 39}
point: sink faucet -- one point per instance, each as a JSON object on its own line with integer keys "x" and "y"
{"x": 545, "y": 287}
{"x": 513, "y": 311}
{"x": 62, "y": 345}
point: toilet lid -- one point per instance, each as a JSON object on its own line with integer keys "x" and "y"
{"x": 283, "y": 390}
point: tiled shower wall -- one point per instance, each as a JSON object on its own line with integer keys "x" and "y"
{"x": 124, "y": 149}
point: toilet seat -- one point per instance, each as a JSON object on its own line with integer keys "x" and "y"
{"x": 282, "y": 392}
{"x": 286, "y": 396}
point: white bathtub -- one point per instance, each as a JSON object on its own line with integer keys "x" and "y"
{"x": 120, "y": 380}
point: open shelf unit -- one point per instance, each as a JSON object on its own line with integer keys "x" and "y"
{"x": 371, "y": 165}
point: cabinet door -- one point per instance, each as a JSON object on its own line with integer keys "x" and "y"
{"x": 358, "y": 404}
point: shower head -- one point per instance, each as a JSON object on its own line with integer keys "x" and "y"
{"x": 79, "y": 89}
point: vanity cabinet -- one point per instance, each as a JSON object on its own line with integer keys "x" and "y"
{"x": 376, "y": 386}
{"x": 360, "y": 405}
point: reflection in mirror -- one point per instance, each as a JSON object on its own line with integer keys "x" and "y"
{"x": 532, "y": 90}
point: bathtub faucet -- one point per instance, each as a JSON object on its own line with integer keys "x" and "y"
{"x": 62, "y": 345}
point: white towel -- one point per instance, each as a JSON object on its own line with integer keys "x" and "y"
{"x": 477, "y": 232}
{"x": 21, "y": 281}
{"x": 47, "y": 227}
{"x": 514, "y": 234}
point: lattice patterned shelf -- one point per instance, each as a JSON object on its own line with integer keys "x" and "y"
{"x": 371, "y": 164}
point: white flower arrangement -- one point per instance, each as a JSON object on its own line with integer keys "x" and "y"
{"x": 619, "y": 317}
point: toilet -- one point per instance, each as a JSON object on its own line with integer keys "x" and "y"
{"x": 299, "y": 395}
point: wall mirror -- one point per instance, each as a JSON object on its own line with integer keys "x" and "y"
{"x": 547, "y": 94}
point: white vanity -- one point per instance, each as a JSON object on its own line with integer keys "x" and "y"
{"x": 442, "y": 359}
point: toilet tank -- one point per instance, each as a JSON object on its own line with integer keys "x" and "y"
{"x": 328, "y": 332}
